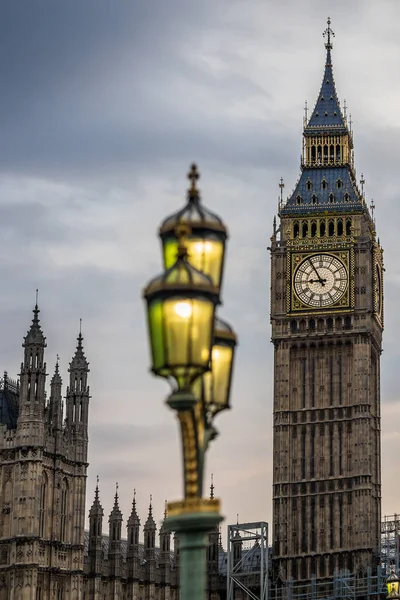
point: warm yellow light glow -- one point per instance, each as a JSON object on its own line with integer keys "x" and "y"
{"x": 206, "y": 247}
{"x": 183, "y": 310}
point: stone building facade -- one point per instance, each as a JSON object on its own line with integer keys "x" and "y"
{"x": 45, "y": 552}
{"x": 327, "y": 322}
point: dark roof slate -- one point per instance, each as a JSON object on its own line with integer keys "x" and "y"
{"x": 327, "y": 113}
{"x": 315, "y": 187}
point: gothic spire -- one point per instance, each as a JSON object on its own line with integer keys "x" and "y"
{"x": 35, "y": 335}
{"x": 327, "y": 113}
{"x": 96, "y": 508}
{"x": 116, "y": 513}
{"x": 134, "y": 517}
{"x": 79, "y": 361}
{"x": 150, "y": 523}
{"x": 56, "y": 379}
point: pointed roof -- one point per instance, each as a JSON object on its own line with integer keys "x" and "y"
{"x": 35, "y": 334}
{"x": 116, "y": 514}
{"x": 79, "y": 360}
{"x": 327, "y": 113}
{"x": 150, "y": 523}
{"x": 162, "y": 528}
{"x": 56, "y": 379}
{"x": 96, "y": 508}
{"x": 133, "y": 517}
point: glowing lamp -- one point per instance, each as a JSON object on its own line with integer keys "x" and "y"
{"x": 215, "y": 385}
{"x": 180, "y": 307}
{"x": 206, "y": 241}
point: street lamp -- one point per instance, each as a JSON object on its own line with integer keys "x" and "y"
{"x": 206, "y": 242}
{"x": 393, "y": 583}
{"x": 194, "y": 350}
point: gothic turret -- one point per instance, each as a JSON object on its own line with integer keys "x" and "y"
{"x": 32, "y": 389}
{"x": 77, "y": 400}
{"x": 150, "y": 533}
{"x": 165, "y": 551}
{"x": 213, "y": 540}
{"x": 55, "y": 405}
{"x": 115, "y": 548}
{"x": 133, "y": 530}
{"x": 96, "y": 514}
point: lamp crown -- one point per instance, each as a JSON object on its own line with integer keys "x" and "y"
{"x": 193, "y": 177}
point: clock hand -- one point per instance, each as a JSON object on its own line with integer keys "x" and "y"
{"x": 321, "y": 281}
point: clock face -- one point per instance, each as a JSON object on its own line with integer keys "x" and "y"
{"x": 320, "y": 280}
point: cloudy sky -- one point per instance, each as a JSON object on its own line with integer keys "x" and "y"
{"x": 103, "y": 106}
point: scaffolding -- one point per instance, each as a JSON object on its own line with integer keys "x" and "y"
{"x": 248, "y": 569}
{"x": 390, "y": 537}
{"x": 247, "y": 561}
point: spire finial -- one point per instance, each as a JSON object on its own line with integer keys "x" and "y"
{"x": 237, "y": 518}
{"x": 151, "y": 506}
{"x": 305, "y": 113}
{"x": 212, "y": 487}
{"x": 36, "y": 309}
{"x": 344, "y": 109}
{"x": 372, "y": 208}
{"x": 328, "y": 33}
{"x": 80, "y": 326}
{"x": 281, "y": 185}
{"x": 193, "y": 177}
{"x": 116, "y": 493}
{"x": 165, "y": 508}
{"x": 362, "y": 183}
{"x": 350, "y": 122}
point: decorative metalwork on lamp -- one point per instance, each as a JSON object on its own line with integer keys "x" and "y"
{"x": 208, "y": 234}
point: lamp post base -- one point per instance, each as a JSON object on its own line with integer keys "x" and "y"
{"x": 192, "y": 529}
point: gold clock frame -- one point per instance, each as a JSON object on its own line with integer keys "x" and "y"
{"x": 294, "y": 305}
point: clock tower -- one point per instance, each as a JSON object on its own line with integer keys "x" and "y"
{"x": 327, "y": 322}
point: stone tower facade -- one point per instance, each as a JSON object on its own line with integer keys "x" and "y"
{"x": 327, "y": 322}
{"x": 43, "y": 462}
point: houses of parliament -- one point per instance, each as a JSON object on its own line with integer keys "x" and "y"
{"x": 326, "y": 305}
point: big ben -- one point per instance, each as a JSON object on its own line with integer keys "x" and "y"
{"x": 327, "y": 323}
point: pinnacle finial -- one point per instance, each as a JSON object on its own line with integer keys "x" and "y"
{"x": 36, "y": 310}
{"x": 116, "y": 494}
{"x": 165, "y": 508}
{"x": 328, "y": 33}
{"x": 193, "y": 177}
{"x": 96, "y": 492}
{"x": 212, "y": 487}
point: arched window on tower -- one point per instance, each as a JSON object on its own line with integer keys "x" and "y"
{"x": 42, "y": 506}
{"x": 331, "y": 228}
{"x": 64, "y": 511}
{"x": 309, "y": 184}
{"x": 314, "y": 199}
{"x": 296, "y": 229}
{"x": 313, "y": 154}
{"x": 331, "y": 198}
{"x": 337, "y": 153}
{"x": 305, "y": 229}
{"x": 339, "y": 184}
{"x": 324, "y": 184}
{"x": 299, "y": 199}
{"x": 340, "y": 227}
{"x": 348, "y": 226}
{"x": 346, "y": 197}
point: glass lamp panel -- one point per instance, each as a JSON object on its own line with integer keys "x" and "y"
{"x": 188, "y": 324}
{"x": 205, "y": 254}
{"x": 156, "y": 333}
{"x": 221, "y": 364}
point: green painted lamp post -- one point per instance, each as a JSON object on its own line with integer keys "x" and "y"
{"x": 193, "y": 348}
{"x": 393, "y": 583}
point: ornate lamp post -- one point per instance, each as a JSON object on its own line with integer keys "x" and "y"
{"x": 194, "y": 349}
{"x": 393, "y": 583}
